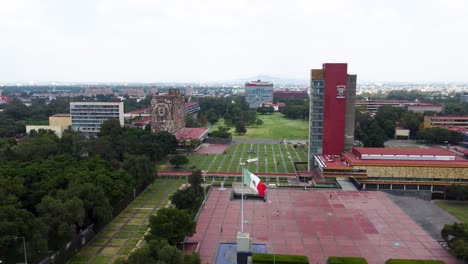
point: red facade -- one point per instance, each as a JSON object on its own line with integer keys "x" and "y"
{"x": 335, "y": 77}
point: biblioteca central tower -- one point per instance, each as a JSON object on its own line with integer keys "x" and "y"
{"x": 331, "y": 116}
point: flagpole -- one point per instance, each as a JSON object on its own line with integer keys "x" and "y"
{"x": 242, "y": 198}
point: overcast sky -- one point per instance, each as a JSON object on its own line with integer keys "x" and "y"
{"x": 207, "y": 40}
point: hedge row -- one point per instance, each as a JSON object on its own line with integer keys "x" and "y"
{"x": 258, "y": 258}
{"x": 346, "y": 260}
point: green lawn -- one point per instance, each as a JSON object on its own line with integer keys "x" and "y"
{"x": 124, "y": 231}
{"x": 455, "y": 208}
{"x": 272, "y": 158}
{"x": 274, "y": 126}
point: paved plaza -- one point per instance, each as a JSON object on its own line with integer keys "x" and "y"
{"x": 318, "y": 224}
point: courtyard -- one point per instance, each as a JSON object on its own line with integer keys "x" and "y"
{"x": 317, "y": 224}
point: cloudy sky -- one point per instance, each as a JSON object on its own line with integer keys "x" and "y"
{"x": 206, "y": 40}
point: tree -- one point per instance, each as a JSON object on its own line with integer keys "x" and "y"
{"x": 240, "y": 128}
{"x": 172, "y": 224}
{"x": 141, "y": 168}
{"x": 189, "y": 199}
{"x": 190, "y": 121}
{"x": 411, "y": 121}
{"x": 195, "y": 179}
{"x": 456, "y": 236}
{"x": 178, "y": 160}
{"x": 258, "y": 122}
{"x": 63, "y": 217}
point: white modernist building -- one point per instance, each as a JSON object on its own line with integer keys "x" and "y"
{"x": 87, "y": 117}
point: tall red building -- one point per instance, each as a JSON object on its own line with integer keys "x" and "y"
{"x": 331, "y": 119}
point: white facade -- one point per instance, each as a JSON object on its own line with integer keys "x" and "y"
{"x": 258, "y": 92}
{"x": 87, "y": 117}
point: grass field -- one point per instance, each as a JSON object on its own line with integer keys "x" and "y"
{"x": 122, "y": 234}
{"x": 455, "y": 208}
{"x": 272, "y": 158}
{"x": 274, "y": 126}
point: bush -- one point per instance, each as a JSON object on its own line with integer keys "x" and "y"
{"x": 413, "y": 261}
{"x": 258, "y": 258}
{"x": 346, "y": 260}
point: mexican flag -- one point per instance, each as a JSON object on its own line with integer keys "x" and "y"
{"x": 254, "y": 182}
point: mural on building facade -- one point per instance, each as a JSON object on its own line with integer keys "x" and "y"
{"x": 167, "y": 112}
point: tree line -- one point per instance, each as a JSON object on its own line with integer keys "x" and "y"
{"x": 51, "y": 188}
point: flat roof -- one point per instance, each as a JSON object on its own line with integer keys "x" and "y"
{"x": 143, "y": 120}
{"x": 61, "y": 115}
{"x": 423, "y": 104}
{"x": 448, "y": 117}
{"x": 403, "y": 151}
{"x": 330, "y": 162}
{"x": 355, "y": 161}
{"x": 190, "y": 104}
{"x": 383, "y": 101}
{"x": 191, "y": 132}
{"x": 140, "y": 111}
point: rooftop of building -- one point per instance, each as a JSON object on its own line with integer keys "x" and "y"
{"x": 140, "y": 111}
{"x": 447, "y": 117}
{"x": 258, "y": 83}
{"x": 145, "y": 119}
{"x": 96, "y": 103}
{"x": 396, "y": 157}
{"x": 367, "y": 101}
{"x": 191, "y": 133}
{"x": 61, "y": 115}
{"x": 189, "y": 104}
{"x": 423, "y": 104}
{"x": 402, "y": 151}
{"x": 289, "y": 92}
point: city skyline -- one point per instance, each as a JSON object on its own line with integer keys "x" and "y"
{"x": 207, "y": 41}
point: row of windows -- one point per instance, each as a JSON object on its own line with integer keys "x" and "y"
{"x": 317, "y": 90}
{"x": 316, "y": 130}
{"x": 317, "y": 124}
{"x": 318, "y": 83}
{"x": 317, "y": 103}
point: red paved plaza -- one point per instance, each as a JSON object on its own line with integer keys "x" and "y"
{"x": 313, "y": 223}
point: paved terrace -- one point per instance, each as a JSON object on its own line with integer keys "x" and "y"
{"x": 318, "y": 224}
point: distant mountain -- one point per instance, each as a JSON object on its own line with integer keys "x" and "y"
{"x": 272, "y": 79}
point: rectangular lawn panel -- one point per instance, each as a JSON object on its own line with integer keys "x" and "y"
{"x": 87, "y": 251}
{"x": 278, "y": 126}
{"x": 117, "y": 242}
{"x": 110, "y": 250}
{"x": 101, "y": 260}
{"x": 99, "y": 242}
{"x": 132, "y": 242}
{"x": 107, "y": 234}
{"x": 79, "y": 260}
{"x": 124, "y": 234}
{"x": 126, "y": 250}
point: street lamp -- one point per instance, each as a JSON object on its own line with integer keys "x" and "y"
{"x": 24, "y": 247}
{"x": 204, "y": 186}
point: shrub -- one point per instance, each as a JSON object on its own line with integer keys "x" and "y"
{"x": 258, "y": 258}
{"x": 346, "y": 260}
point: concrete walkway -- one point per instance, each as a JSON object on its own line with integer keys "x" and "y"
{"x": 428, "y": 215}
{"x": 346, "y": 184}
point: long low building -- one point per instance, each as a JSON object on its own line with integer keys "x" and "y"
{"x": 447, "y": 121}
{"x": 397, "y": 168}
